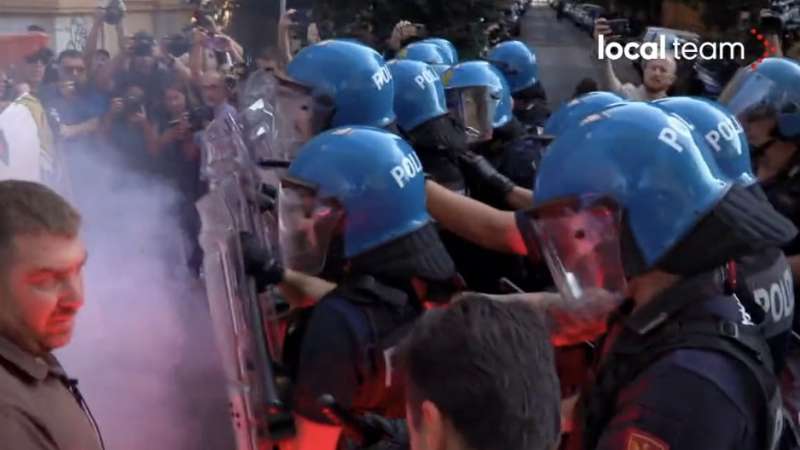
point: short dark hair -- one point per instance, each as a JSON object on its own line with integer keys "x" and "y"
{"x": 28, "y": 208}
{"x": 585, "y": 86}
{"x": 69, "y": 53}
{"x": 102, "y": 51}
{"x": 488, "y": 366}
{"x": 36, "y": 28}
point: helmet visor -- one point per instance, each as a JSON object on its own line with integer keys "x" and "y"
{"x": 474, "y": 108}
{"x": 580, "y": 240}
{"x": 751, "y": 97}
{"x": 298, "y": 117}
{"x": 306, "y": 225}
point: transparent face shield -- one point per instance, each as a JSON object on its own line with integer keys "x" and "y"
{"x": 580, "y": 240}
{"x": 298, "y": 117}
{"x": 753, "y": 98}
{"x": 474, "y": 108}
{"x": 306, "y": 225}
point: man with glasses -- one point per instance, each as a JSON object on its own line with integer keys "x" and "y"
{"x": 78, "y": 108}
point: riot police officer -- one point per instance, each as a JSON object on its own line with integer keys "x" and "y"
{"x": 518, "y": 64}
{"x": 352, "y": 207}
{"x": 448, "y": 50}
{"x": 422, "y": 118}
{"x": 766, "y": 99}
{"x": 577, "y": 109}
{"x": 656, "y": 226}
{"x": 762, "y": 281}
{"x": 330, "y": 84}
{"x": 479, "y": 98}
{"x": 428, "y": 53}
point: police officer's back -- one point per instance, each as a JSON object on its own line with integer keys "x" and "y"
{"x": 354, "y": 198}
{"x": 682, "y": 365}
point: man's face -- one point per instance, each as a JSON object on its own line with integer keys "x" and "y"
{"x": 42, "y": 291}
{"x": 34, "y": 72}
{"x": 759, "y": 131}
{"x": 659, "y": 74}
{"x": 73, "y": 69}
{"x": 100, "y": 59}
{"x": 214, "y": 91}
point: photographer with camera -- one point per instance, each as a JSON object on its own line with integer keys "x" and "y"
{"x": 78, "y": 106}
{"x": 659, "y": 74}
{"x": 95, "y": 57}
{"x": 211, "y": 49}
{"x": 128, "y": 129}
{"x": 140, "y": 63}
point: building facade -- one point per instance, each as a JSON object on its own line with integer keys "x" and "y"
{"x": 68, "y": 21}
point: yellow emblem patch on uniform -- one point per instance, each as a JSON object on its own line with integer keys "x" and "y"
{"x": 402, "y": 54}
{"x": 639, "y": 440}
{"x": 447, "y": 76}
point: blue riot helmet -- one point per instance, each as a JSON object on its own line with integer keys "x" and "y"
{"x": 517, "y": 63}
{"x": 447, "y": 49}
{"x": 329, "y": 84}
{"x": 478, "y": 97}
{"x": 769, "y": 92}
{"x": 649, "y": 196}
{"x": 418, "y": 95}
{"x": 363, "y": 184}
{"x": 721, "y": 131}
{"x": 577, "y": 109}
{"x": 425, "y": 52}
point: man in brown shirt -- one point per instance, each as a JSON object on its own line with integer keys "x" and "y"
{"x": 41, "y": 291}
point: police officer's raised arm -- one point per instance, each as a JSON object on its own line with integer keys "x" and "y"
{"x": 474, "y": 221}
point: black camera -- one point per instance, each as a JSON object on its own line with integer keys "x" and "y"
{"x": 132, "y": 105}
{"x": 200, "y": 116}
{"x": 115, "y": 11}
{"x": 619, "y": 27}
{"x": 177, "y": 44}
{"x": 143, "y": 44}
{"x": 302, "y": 19}
{"x": 770, "y": 22}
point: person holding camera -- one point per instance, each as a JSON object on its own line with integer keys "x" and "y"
{"x": 212, "y": 51}
{"x": 658, "y": 78}
{"x": 78, "y": 107}
{"x": 128, "y": 129}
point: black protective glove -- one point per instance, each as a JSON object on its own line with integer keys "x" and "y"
{"x": 395, "y": 432}
{"x": 259, "y": 262}
{"x": 267, "y": 197}
{"x": 481, "y": 170}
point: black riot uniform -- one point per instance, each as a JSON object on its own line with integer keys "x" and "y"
{"x": 783, "y": 191}
{"x": 514, "y": 152}
{"x": 707, "y": 349}
{"x": 682, "y": 366}
{"x": 765, "y": 285}
{"x": 346, "y": 346}
{"x": 386, "y": 270}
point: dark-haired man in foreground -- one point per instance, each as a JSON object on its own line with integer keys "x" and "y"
{"x": 487, "y": 383}
{"x": 41, "y": 291}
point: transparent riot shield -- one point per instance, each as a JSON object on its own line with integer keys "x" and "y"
{"x": 245, "y": 324}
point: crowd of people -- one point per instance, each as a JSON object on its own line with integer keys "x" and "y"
{"x": 633, "y": 253}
